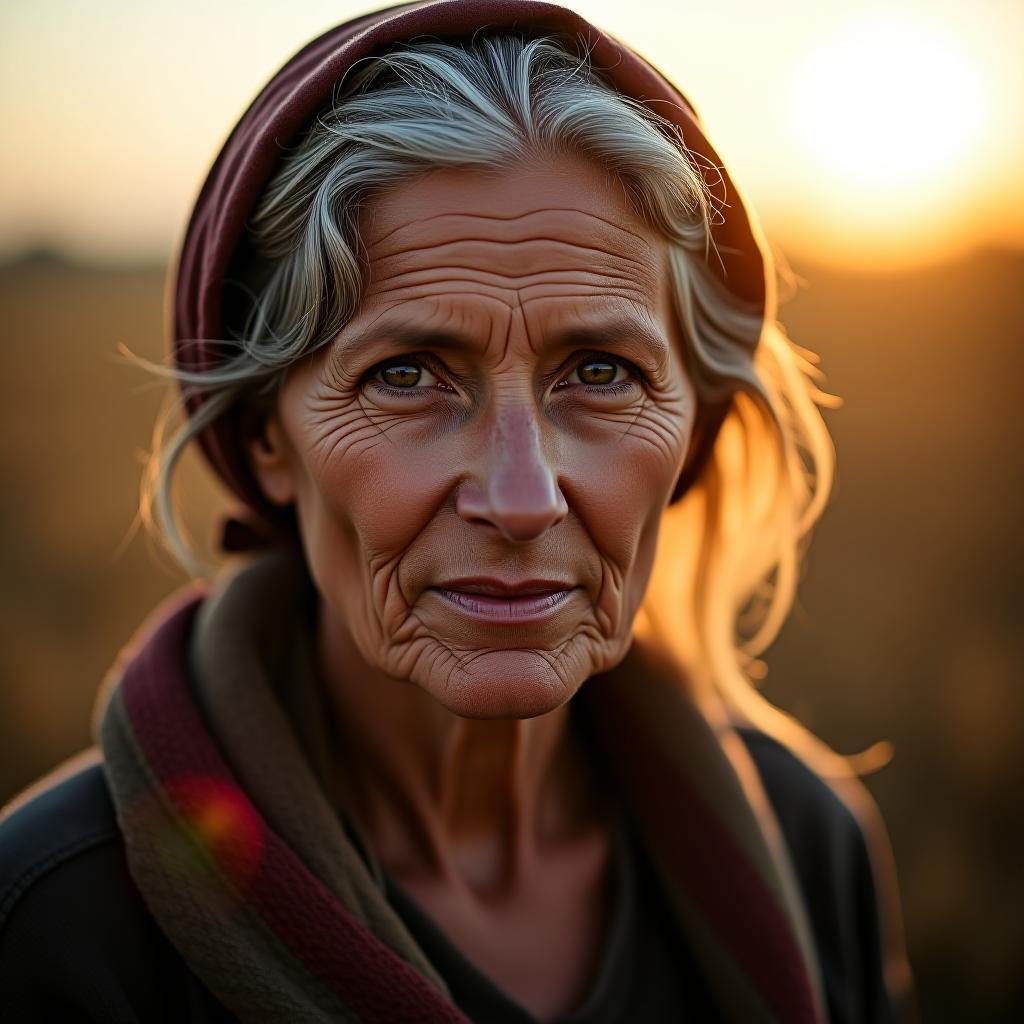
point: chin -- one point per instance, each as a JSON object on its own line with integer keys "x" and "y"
{"x": 504, "y": 684}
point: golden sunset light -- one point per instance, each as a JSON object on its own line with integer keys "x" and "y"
{"x": 875, "y": 134}
{"x": 893, "y": 113}
{"x": 512, "y": 512}
{"x": 889, "y": 104}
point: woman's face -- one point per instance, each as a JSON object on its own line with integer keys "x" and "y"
{"x": 481, "y": 458}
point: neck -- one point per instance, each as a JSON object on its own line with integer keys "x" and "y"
{"x": 463, "y": 800}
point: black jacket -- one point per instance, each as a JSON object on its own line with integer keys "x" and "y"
{"x": 78, "y": 944}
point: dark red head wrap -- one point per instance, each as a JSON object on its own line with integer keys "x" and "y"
{"x": 286, "y": 106}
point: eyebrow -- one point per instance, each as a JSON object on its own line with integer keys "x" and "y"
{"x": 403, "y": 336}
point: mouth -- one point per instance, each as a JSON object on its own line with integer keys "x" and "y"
{"x": 492, "y": 600}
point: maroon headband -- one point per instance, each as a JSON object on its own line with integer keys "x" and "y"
{"x": 287, "y": 105}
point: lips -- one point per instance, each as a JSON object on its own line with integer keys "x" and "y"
{"x": 501, "y": 601}
{"x": 499, "y": 588}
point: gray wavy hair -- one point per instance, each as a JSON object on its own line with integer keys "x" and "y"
{"x": 491, "y": 103}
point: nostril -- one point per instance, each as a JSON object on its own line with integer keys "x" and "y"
{"x": 521, "y": 509}
{"x": 526, "y": 524}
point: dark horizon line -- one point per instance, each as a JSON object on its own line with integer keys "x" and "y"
{"x": 44, "y": 254}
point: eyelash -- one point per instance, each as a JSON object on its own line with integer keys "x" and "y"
{"x": 421, "y": 360}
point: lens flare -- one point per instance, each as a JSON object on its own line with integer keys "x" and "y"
{"x": 223, "y": 823}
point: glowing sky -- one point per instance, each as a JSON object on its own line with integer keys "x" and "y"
{"x": 863, "y": 133}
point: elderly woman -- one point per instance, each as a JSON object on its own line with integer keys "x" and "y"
{"x": 472, "y": 320}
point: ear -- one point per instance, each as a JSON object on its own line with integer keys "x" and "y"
{"x": 271, "y": 458}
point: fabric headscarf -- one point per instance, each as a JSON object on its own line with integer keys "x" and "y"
{"x": 287, "y": 105}
{"x": 215, "y": 734}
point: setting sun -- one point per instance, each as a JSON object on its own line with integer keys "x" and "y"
{"x": 891, "y": 111}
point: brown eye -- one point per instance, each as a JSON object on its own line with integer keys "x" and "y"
{"x": 406, "y": 376}
{"x": 401, "y": 375}
{"x": 597, "y": 372}
{"x": 603, "y": 374}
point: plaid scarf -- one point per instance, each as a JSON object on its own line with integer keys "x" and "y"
{"x": 216, "y": 738}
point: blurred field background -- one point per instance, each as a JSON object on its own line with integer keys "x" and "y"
{"x": 908, "y": 626}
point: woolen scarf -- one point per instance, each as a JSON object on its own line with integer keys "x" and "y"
{"x": 216, "y": 734}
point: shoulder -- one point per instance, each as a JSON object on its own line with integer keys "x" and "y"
{"x": 811, "y": 814}
{"x": 823, "y": 836}
{"x": 75, "y": 935}
{"x": 833, "y": 863}
{"x": 52, "y": 824}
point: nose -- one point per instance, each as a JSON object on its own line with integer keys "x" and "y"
{"x": 516, "y": 489}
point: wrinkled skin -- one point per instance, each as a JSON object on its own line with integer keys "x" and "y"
{"x": 509, "y": 401}
{"x": 498, "y": 460}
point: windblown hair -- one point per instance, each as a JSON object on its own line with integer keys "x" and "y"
{"x": 730, "y": 550}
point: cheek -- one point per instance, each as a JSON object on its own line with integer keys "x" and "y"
{"x": 622, "y": 472}
{"x": 628, "y": 484}
{"x": 376, "y": 490}
{"x": 620, "y": 495}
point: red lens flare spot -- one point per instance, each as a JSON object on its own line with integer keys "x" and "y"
{"x": 223, "y": 823}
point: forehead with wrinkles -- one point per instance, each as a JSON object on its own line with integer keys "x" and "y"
{"x": 554, "y": 241}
